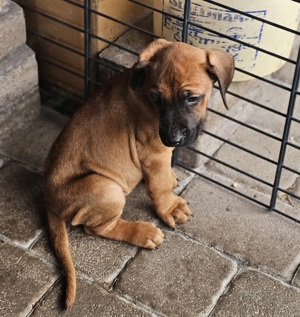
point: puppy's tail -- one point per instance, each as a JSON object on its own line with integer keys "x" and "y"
{"x": 60, "y": 243}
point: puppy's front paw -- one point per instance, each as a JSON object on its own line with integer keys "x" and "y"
{"x": 179, "y": 213}
{"x": 147, "y": 235}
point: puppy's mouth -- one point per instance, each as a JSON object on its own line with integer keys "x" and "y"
{"x": 179, "y": 138}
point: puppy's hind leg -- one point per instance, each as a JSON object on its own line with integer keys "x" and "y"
{"x": 141, "y": 234}
{"x": 103, "y": 218}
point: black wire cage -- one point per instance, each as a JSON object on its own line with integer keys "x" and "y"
{"x": 273, "y": 173}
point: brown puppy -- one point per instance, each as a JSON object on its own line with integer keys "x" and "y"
{"x": 124, "y": 134}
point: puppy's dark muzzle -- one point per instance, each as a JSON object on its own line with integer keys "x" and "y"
{"x": 177, "y": 138}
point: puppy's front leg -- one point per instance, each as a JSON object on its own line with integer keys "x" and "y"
{"x": 159, "y": 179}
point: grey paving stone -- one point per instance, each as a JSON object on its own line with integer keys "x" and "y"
{"x": 243, "y": 229}
{"x": 253, "y": 165}
{"x": 296, "y": 279}
{"x": 12, "y": 26}
{"x": 138, "y": 206}
{"x": 255, "y": 294}
{"x": 24, "y": 280}
{"x": 31, "y": 145}
{"x": 100, "y": 259}
{"x": 42, "y": 248}
{"x": 275, "y": 99}
{"x": 181, "y": 278}
{"x": 284, "y": 202}
{"x": 183, "y": 177}
{"x": 97, "y": 258}
{"x": 91, "y": 301}
{"x": 21, "y": 207}
{"x": 3, "y": 160}
{"x": 295, "y": 189}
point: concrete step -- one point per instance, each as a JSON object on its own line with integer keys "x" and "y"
{"x": 12, "y": 26}
{"x": 19, "y": 94}
{"x": 18, "y": 74}
{"x": 20, "y": 113}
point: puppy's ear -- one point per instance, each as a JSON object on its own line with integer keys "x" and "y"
{"x": 221, "y": 69}
{"x": 153, "y": 48}
{"x": 138, "y": 75}
{"x": 140, "y": 70}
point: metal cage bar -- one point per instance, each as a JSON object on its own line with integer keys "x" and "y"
{"x": 87, "y": 47}
{"x": 286, "y": 132}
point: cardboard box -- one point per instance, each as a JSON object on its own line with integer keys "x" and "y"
{"x": 51, "y": 37}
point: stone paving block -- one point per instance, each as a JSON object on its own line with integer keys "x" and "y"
{"x": 31, "y": 144}
{"x": 276, "y": 99}
{"x": 257, "y": 167}
{"x": 181, "y": 278}
{"x": 242, "y": 229}
{"x": 21, "y": 208}
{"x": 12, "y": 26}
{"x": 256, "y": 294}
{"x": 18, "y": 74}
{"x": 139, "y": 206}
{"x": 91, "y": 301}
{"x": 42, "y": 248}
{"x": 183, "y": 177}
{"x": 294, "y": 136}
{"x": 3, "y": 160}
{"x": 98, "y": 258}
{"x": 284, "y": 203}
{"x": 296, "y": 279}
{"x": 296, "y": 191}
{"x": 24, "y": 280}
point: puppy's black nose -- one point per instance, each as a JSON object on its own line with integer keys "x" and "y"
{"x": 176, "y": 138}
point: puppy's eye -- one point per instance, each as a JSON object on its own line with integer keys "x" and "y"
{"x": 194, "y": 99}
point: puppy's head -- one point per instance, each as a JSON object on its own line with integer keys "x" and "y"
{"x": 177, "y": 79}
